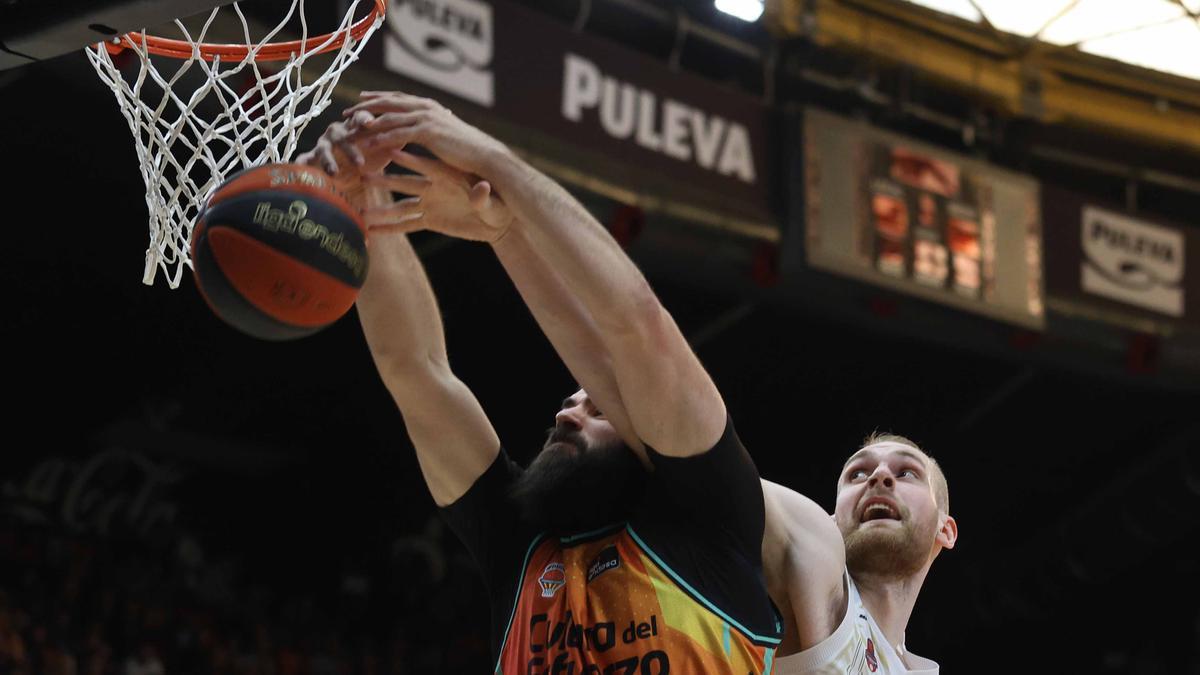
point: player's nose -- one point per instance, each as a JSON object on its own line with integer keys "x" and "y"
{"x": 881, "y": 475}
{"x": 571, "y": 416}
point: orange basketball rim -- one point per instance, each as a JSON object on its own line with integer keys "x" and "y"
{"x": 271, "y": 51}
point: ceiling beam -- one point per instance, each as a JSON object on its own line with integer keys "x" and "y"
{"x": 1056, "y": 87}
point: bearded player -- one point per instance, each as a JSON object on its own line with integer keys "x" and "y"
{"x": 632, "y": 542}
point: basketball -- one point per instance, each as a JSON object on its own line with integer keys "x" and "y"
{"x": 278, "y": 253}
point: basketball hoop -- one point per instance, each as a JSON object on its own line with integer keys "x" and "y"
{"x": 184, "y": 152}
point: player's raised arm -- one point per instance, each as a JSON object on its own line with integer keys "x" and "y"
{"x": 804, "y": 558}
{"x": 672, "y": 403}
{"x": 454, "y": 440}
{"x": 444, "y": 199}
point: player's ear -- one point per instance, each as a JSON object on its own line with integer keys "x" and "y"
{"x": 948, "y": 532}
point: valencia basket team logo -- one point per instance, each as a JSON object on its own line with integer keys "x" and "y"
{"x": 552, "y": 579}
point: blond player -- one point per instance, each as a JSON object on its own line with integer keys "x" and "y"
{"x": 847, "y": 585}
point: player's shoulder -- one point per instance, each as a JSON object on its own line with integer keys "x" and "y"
{"x": 797, "y": 527}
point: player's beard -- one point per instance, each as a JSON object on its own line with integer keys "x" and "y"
{"x": 891, "y": 552}
{"x": 569, "y": 490}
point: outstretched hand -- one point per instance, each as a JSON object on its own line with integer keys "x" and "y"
{"x": 443, "y": 199}
{"x": 399, "y": 119}
{"x": 443, "y": 195}
{"x": 337, "y": 153}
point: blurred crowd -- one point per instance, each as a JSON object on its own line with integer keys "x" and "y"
{"x": 74, "y": 603}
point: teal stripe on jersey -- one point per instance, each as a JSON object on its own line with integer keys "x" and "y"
{"x": 695, "y": 594}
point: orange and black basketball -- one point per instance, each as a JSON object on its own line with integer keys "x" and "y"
{"x": 278, "y": 253}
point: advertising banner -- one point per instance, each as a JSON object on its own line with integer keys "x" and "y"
{"x": 897, "y": 213}
{"x": 1104, "y": 261}
{"x": 607, "y": 110}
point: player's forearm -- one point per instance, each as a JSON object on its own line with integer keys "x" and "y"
{"x": 588, "y": 260}
{"x": 671, "y": 402}
{"x": 399, "y": 315}
{"x": 568, "y": 326}
{"x": 454, "y": 440}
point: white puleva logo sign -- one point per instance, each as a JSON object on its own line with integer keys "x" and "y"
{"x": 1132, "y": 261}
{"x": 627, "y": 111}
{"x": 444, "y": 43}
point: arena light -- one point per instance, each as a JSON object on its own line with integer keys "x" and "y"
{"x": 746, "y": 10}
{"x": 963, "y": 9}
{"x": 1162, "y": 35}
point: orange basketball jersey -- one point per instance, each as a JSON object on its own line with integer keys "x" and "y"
{"x": 674, "y": 587}
{"x": 605, "y": 603}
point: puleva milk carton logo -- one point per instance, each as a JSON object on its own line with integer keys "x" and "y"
{"x": 1132, "y": 261}
{"x": 443, "y": 43}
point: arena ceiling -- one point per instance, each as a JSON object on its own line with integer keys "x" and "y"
{"x": 1162, "y": 35}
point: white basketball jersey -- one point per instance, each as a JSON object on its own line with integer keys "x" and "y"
{"x": 857, "y": 647}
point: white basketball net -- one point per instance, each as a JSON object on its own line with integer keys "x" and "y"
{"x": 258, "y": 118}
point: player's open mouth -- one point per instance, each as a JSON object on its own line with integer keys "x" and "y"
{"x": 879, "y": 510}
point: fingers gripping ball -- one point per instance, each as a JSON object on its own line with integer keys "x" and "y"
{"x": 278, "y": 253}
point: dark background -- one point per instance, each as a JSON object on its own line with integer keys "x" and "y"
{"x": 1075, "y": 488}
